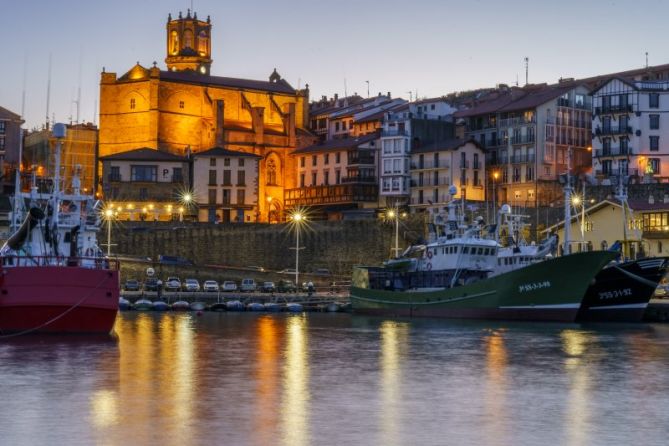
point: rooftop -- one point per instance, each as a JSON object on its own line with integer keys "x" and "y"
{"x": 143, "y": 154}
{"x": 338, "y": 144}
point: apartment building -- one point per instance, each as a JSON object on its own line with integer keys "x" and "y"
{"x": 225, "y": 186}
{"x": 527, "y": 134}
{"x": 437, "y": 166}
{"x": 336, "y": 175}
{"x": 404, "y": 129}
{"x": 631, "y": 130}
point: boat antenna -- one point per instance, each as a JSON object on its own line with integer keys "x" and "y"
{"x": 567, "y": 206}
{"x": 23, "y": 93}
{"x": 48, "y": 93}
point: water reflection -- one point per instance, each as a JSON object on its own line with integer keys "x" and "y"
{"x": 394, "y": 337}
{"x": 578, "y": 417}
{"x": 267, "y": 381}
{"x": 295, "y": 405}
{"x": 496, "y": 387}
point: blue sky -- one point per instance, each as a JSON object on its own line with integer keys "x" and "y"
{"x": 432, "y": 46}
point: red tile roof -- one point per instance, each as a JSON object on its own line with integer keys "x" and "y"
{"x": 193, "y": 77}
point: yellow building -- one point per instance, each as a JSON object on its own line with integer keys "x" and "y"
{"x": 185, "y": 110}
{"x": 646, "y": 227}
{"x": 77, "y": 155}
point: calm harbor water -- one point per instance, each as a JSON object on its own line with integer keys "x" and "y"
{"x": 337, "y": 379}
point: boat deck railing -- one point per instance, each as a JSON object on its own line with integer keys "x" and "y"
{"x": 64, "y": 261}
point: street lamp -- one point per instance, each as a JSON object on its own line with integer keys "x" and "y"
{"x": 297, "y": 218}
{"x": 394, "y": 214}
{"x": 108, "y": 215}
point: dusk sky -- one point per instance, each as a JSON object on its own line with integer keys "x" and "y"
{"x": 430, "y": 46}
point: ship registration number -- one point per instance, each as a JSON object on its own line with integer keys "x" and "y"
{"x": 615, "y": 293}
{"x": 533, "y": 286}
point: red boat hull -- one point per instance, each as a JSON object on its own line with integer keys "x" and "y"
{"x": 58, "y": 299}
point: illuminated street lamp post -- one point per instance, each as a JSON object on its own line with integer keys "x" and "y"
{"x": 109, "y": 216}
{"x": 394, "y": 214}
{"x": 495, "y": 175}
{"x": 298, "y": 219}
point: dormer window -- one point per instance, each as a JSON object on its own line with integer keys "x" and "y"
{"x": 181, "y": 104}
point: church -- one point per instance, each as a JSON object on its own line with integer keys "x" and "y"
{"x": 184, "y": 110}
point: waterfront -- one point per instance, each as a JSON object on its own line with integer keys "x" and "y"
{"x": 318, "y": 378}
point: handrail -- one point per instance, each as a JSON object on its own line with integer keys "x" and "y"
{"x": 10, "y": 261}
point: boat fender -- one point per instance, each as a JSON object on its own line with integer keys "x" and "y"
{"x": 429, "y": 254}
{"x": 429, "y": 266}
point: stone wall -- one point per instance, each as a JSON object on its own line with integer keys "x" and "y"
{"x": 327, "y": 244}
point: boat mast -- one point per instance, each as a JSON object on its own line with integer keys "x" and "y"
{"x": 567, "y": 207}
{"x": 622, "y": 196}
{"x": 17, "y": 186}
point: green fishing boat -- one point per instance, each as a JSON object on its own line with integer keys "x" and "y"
{"x": 547, "y": 291}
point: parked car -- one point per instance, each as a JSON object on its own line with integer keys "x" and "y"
{"x": 229, "y": 285}
{"x": 256, "y": 268}
{"x": 322, "y": 272}
{"x": 191, "y": 285}
{"x": 248, "y": 285}
{"x": 151, "y": 284}
{"x": 287, "y": 271}
{"x": 172, "y": 284}
{"x": 131, "y": 285}
{"x": 210, "y": 285}
{"x": 268, "y": 287}
{"x": 286, "y": 286}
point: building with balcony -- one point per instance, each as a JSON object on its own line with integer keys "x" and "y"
{"x": 336, "y": 176}
{"x": 78, "y": 154}
{"x": 437, "y": 166}
{"x": 405, "y": 129}
{"x": 147, "y": 185}
{"x": 527, "y": 134}
{"x": 631, "y": 130}
{"x": 225, "y": 187}
{"x": 10, "y": 141}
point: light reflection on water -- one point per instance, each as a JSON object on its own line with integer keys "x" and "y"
{"x": 179, "y": 379}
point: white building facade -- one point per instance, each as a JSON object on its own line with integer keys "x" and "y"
{"x": 631, "y": 130}
{"x": 225, "y": 186}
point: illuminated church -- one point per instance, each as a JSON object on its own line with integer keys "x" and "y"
{"x": 185, "y": 110}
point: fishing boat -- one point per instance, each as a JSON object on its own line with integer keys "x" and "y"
{"x": 180, "y": 305}
{"x": 620, "y": 292}
{"x": 53, "y": 276}
{"x": 143, "y": 305}
{"x": 455, "y": 276}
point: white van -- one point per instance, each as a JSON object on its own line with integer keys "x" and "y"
{"x": 248, "y": 285}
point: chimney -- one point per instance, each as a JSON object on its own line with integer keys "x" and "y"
{"x": 389, "y": 95}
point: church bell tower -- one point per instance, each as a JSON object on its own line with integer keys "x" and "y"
{"x": 188, "y": 44}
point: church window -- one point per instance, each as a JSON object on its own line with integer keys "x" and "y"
{"x": 302, "y": 161}
{"x": 174, "y": 40}
{"x": 203, "y": 43}
{"x": 132, "y": 104}
{"x": 188, "y": 39}
{"x": 181, "y": 104}
{"x": 271, "y": 172}
{"x": 301, "y": 180}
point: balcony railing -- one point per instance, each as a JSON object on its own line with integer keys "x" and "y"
{"x": 464, "y": 164}
{"x": 523, "y": 139}
{"x": 429, "y": 182}
{"x": 518, "y": 159}
{"x": 395, "y": 132}
{"x": 613, "y": 130}
{"x": 511, "y": 122}
{"x": 609, "y": 109}
{"x": 578, "y": 123}
{"x": 430, "y": 165}
{"x": 114, "y": 178}
{"x": 614, "y": 151}
{"x": 358, "y": 179}
{"x": 361, "y": 160}
{"x": 332, "y": 195}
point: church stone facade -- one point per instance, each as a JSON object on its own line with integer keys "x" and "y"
{"x": 185, "y": 110}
